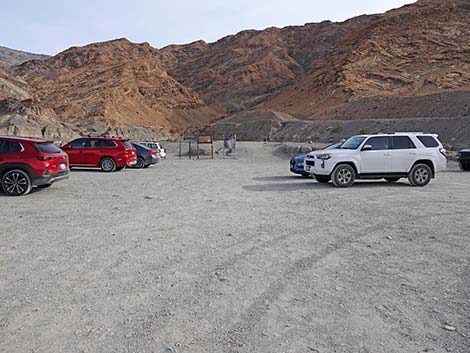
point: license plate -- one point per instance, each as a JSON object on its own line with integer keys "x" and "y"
{"x": 63, "y": 166}
{"x": 307, "y": 168}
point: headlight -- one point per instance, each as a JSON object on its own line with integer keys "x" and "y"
{"x": 324, "y": 157}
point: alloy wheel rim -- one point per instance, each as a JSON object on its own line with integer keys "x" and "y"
{"x": 140, "y": 163}
{"x": 344, "y": 176}
{"x": 421, "y": 175}
{"x": 107, "y": 164}
{"x": 16, "y": 183}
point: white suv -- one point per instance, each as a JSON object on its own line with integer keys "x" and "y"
{"x": 415, "y": 156}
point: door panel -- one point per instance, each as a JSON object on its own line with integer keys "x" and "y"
{"x": 403, "y": 154}
{"x": 378, "y": 159}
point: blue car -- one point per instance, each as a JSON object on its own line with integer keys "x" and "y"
{"x": 297, "y": 163}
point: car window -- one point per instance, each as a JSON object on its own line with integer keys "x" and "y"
{"x": 127, "y": 144}
{"x": 428, "y": 141}
{"x": 78, "y": 144}
{"x": 104, "y": 143}
{"x": 47, "y": 148}
{"x": 402, "y": 143}
{"x": 378, "y": 143}
{"x": 1, "y": 146}
{"x": 11, "y": 147}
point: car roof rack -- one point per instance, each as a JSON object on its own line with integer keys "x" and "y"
{"x": 101, "y": 136}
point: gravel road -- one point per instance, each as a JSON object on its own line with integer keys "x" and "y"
{"x": 235, "y": 256}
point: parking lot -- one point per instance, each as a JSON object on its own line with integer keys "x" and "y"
{"x": 235, "y": 256}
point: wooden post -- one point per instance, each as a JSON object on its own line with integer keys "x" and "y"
{"x": 180, "y": 150}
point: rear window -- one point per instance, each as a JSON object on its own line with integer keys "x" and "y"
{"x": 127, "y": 144}
{"x": 47, "y": 148}
{"x": 428, "y": 141}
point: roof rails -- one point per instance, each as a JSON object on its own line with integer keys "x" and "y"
{"x": 101, "y": 136}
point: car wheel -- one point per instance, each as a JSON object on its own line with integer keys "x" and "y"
{"x": 140, "y": 163}
{"x": 343, "y": 176}
{"x": 16, "y": 183}
{"x": 392, "y": 180}
{"x": 464, "y": 166}
{"x": 420, "y": 175}
{"x": 322, "y": 179}
{"x": 108, "y": 165}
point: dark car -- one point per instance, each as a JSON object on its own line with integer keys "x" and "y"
{"x": 27, "y": 162}
{"x": 464, "y": 159}
{"x": 145, "y": 156}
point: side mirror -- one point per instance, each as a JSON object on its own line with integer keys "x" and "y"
{"x": 367, "y": 148}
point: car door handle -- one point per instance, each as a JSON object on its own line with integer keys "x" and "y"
{"x": 387, "y": 154}
{"x": 412, "y": 154}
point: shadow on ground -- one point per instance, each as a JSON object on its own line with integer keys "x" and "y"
{"x": 281, "y": 177}
{"x": 312, "y": 185}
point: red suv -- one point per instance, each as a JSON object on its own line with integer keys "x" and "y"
{"x": 26, "y": 162}
{"x": 107, "y": 153}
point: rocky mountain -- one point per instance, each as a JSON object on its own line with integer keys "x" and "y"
{"x": 409, "y": 62}
{"x": 14, "y": 57}
{"x": 12, "y": 86}
{"x": 328, "y": 70}
{"x": 412, "y": 62}
{"x": 117, "y": 83}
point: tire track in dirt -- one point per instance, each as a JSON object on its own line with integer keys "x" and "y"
{"x": 237, "y": 336}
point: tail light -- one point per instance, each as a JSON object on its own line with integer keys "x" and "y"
{"x": 443, "y": 152}
{"x": 45, "y": 159}
{"x": 152, "y": 152}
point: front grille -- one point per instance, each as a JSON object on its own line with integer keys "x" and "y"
{"x": 311, "y": 163}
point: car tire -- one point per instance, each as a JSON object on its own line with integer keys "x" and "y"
{"x": 140, "y": 163}
{"x": 420, "y": 175}
{"x": 464, "y": 166}
{"x": 392, "y": 180}
{"x": 16, "y": 183}
{"x": 306, "y": 175}
{"x": 343, "y": 176}
{"x": 108, "y": 165}
{"x": 324, "y": 179}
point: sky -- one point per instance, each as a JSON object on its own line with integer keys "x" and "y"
{"x": 51, "y": 26}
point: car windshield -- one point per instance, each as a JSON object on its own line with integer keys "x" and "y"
{"x": 334, "y": 146}
{"x": 353, "y": 143}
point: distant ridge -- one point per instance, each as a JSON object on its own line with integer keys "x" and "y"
{"x": 12, "y": 57}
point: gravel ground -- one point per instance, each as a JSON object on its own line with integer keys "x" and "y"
{"x": 235, "y": 256}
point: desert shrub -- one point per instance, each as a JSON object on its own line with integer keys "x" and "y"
{"x": 364, "y": 131}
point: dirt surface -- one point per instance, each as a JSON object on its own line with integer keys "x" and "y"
{"x": 235, "y": 256}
